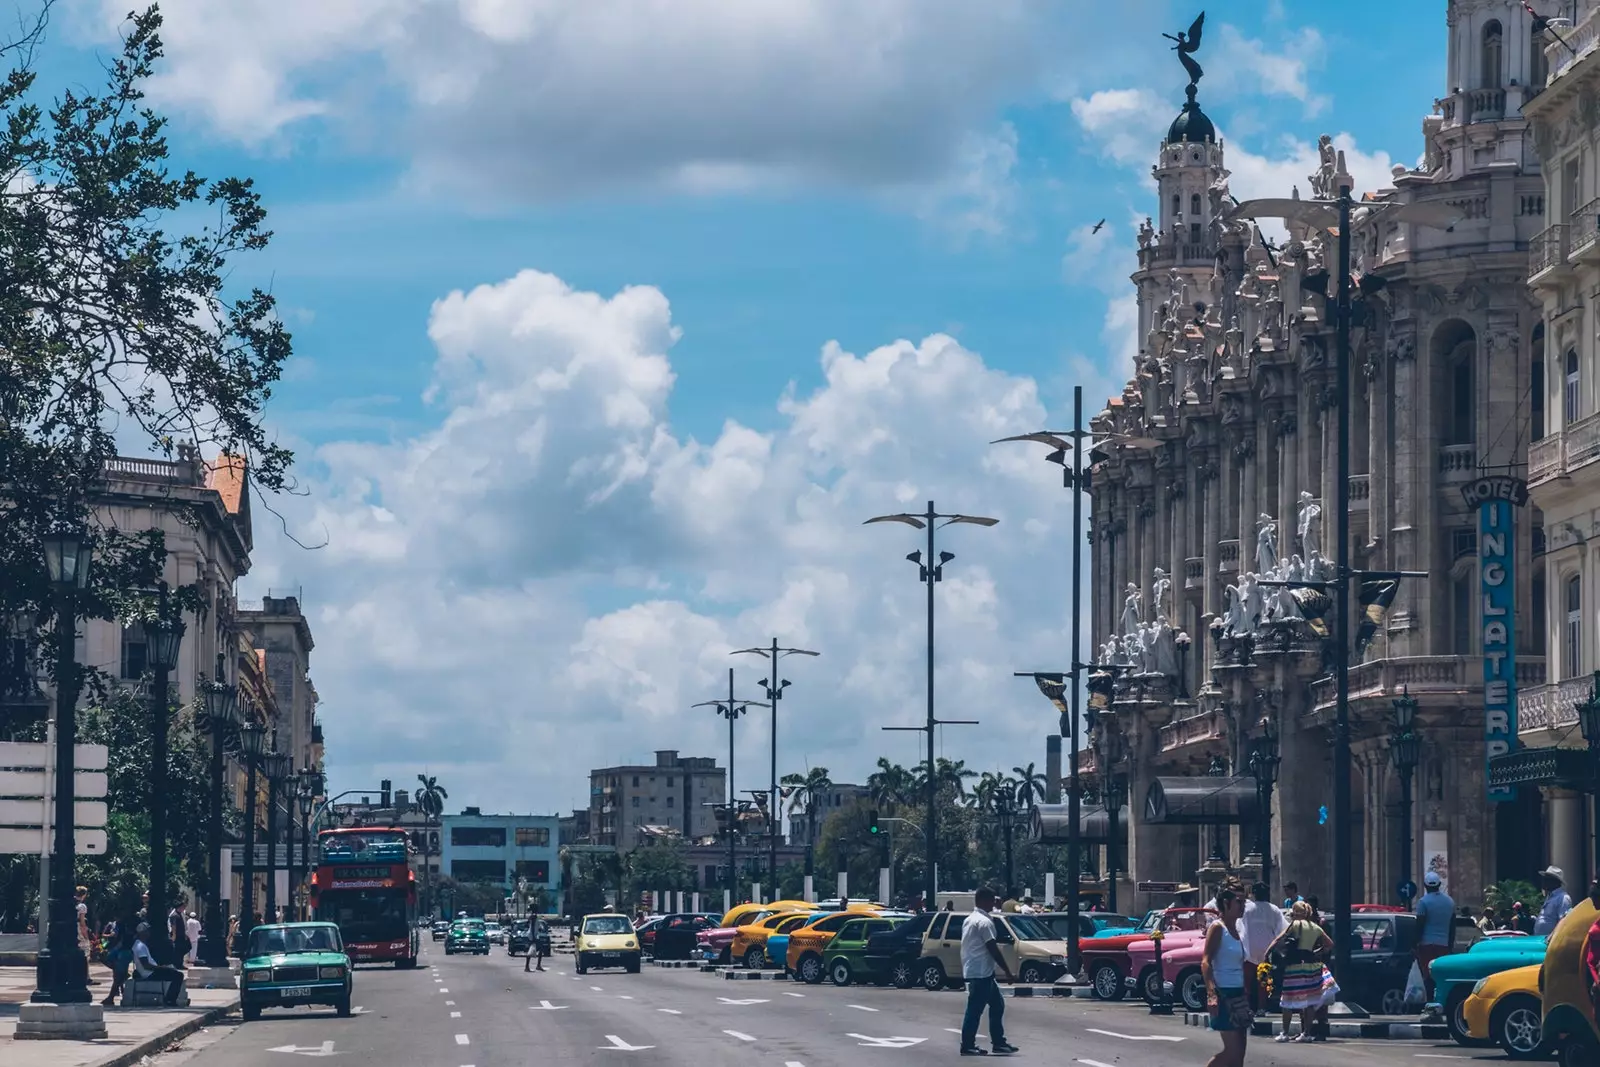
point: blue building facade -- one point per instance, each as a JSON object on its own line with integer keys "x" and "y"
{"x": 500, "y": 849}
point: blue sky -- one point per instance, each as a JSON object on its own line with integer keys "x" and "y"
{"x": 818, "y": 172}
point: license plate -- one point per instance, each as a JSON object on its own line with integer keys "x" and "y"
{"x": 611, "y": 955}
{"x": 295, "y": 991}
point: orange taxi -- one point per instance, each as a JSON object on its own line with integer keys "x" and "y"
{"x": 750, "y": 940}
{"x": 808, "y": 940}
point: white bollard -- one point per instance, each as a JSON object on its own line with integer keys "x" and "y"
{"x": 883, "y": 885}
{"x": 811, "y": 890}
{"x": 844, "y": 885}
{"x": 755, "y": 893}
{"x": 1049, "y": 890}
{"x": 694, "y": 901}
{"x": 727, "y": 901}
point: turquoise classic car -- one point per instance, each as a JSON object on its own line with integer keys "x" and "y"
{"x": 287, "y": 964}
{"x": 1456, "y": 974}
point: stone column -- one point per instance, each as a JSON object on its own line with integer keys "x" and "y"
{"x": 1148, "y": 555}
{"x": 1211, "y": 483}
{"x": 1567, "y": 837}
{"x": 1178, "y": 550}
{"x": 1288, "y": 427}
{"x": 1380, "y": 433}
{"x": 1245, "y": 451}
{"x": 1412, "y": 454}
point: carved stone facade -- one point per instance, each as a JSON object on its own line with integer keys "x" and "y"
{"x": 1218, "y": 465}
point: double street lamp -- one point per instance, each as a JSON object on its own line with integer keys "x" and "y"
{"x": 1262, "y": 762}
{"x": 1405, "y": 748}
{"x": 163, "y": 641}
{"x": 62, "y": 975}
{"x": 774, "y": 692}
{"x": 309, "y": 785}
{"x": 729, "y": 709}
{"x": 252, "y": 745}
{"x": 276, "y": 766}
{"x": 222, "y": 715}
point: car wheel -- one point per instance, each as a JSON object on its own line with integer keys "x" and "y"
{"x": 581, "y": 967}
{"x": 1192, "y": 988}
{"x": 633, "y": 967}
{"x": 1107, "y": 982}
{"x": 342, "y": 1006}
{"x": 902, "y": 975}
{"x": 810, "y": 969}
{"x": 1516, "y": 1027}
{"x": 1030, "y": 973}
{"x": 1455, "y": 1019}
{"x": 1151, "y": 985}
{"x": 725, "y": 957}
{"x": 1577, "y": 1052}
{"x": 839, "y": 972}
{"x": 933, "y": 978}
{"x": 1394, "y": 1002}
{"x": 755, "y": 958}
{"x": 251, "y": 1012}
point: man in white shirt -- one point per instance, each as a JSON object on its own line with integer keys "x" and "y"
{"x": 192, "y": 928}
{"x": 1556, "y": 901}
{"x": 980, "y": 955}
{"x": 1026, "y": 907}
{"x": 145, "y": 966}
{"x": 1263, "y": 922}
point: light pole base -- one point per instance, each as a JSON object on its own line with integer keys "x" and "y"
{"x": 60, "y": 1022}
{"x": 202, "y": 977}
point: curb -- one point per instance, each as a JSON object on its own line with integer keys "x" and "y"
{"x": 674, "y": 964}
{"x": 153, "y": 1045}
{"x": 1370, "y": 1030}
{"x": 1047, "y": 991}
{"x": 751, "y": 976}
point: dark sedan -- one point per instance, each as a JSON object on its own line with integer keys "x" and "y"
{"x": 673, "y": 936}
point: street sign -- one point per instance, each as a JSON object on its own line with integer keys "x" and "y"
{"x": 29, "y": 814}
{"x": 27, "y": 842}
{"x": 87, "y": 785}
{"x": 36, "y": 755}
{"x": 1157, "y": 887}
{"x": 1407, "y": 890}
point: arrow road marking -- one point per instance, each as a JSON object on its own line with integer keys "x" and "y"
{"x": 737, "y": 1034}
{"x": 463, "y": 1039}
{"x": 1133, "y": 1037}
{"x": 619, "y": 1045}
{"x": 359, "y": 1011}
{"x": 325, "y": 1049}
{"x": 860, "y": 1007}
{"x": 794, "y": 994}
{"x": 730, "y": 1000}
{"x": 887, "y": 1042}
{"x": 545, "y": 1005}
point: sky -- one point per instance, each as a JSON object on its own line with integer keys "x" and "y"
{"x": 614, "y": 319}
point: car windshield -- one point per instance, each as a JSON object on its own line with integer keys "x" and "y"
{"x": 274, "y": 940}
{"x": 1027, "y": 928}
{"x": 1113, "y": 922}
{"x": 607, "y": 924}
{"x": 1194, "y": 919}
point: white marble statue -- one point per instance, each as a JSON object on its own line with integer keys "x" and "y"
{"x": 1310, "y": 525}
{"x": 1131, "y": 617}
{"x": 1147, "y": 233}
{"x": 1164, "y": 647}
{"x": 1286, "y": 607}
{"x": 1266, "y": 545}
{"x": 1233, "y": 615}
{"x": 1327, "y": 168}
{"x": 1159, "y": 587}
{"x": 1254, "y": 609}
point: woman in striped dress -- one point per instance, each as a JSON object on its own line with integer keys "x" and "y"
{"x": 1307, "y": 985}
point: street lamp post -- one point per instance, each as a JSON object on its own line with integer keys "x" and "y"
{"x": 931, "y": 572}
{"x": 222, "y": 715}
{"x": 307, "y": 799}
{"x": 62, "y": 974}
{"x": 731, "y": 709}
{"x": 1263, "y": 764}
{"x": 164, "y": 641}
{"x": 291, "y": 788}
{"x": 1589, "y": 724}
{"x": 1218, "y": 768}
{"x": 774, "y": 692}
{"x": 252, "y": 743}
{"x": 1004, "y": 802}
{"x": 276, "y": 766}
{"x": 1405, "y": 748}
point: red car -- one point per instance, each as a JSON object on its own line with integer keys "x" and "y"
{"x": 1106, "y": 961}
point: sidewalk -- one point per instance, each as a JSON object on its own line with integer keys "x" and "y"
{"x": 132, "y": 1032}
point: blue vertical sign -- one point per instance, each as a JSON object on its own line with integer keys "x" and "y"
{"x": 1496, "y": 497}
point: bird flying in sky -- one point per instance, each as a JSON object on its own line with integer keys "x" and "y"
{"x": 1097, "y": 226}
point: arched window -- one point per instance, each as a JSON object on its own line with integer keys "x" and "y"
{"x": 1572, "y": 659}
{"x": 1463, "y": 399}
{"x": 1177, "y": 204}
{"x": 1569, "y": 394}
{"x": 1490, "y": 76}
{"x": 1194, "y": 204}
{"x": 1536, "y": 398}
{"x": 1537, "y": 71}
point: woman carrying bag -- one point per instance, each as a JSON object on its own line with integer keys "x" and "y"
{"x": 1223, "y": 969}
{"x": 1307, "y": 985}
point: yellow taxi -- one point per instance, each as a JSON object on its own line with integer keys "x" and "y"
{"x": 808, "y": 940}
{"x": 606, "y": 940}
{"x": 750, "y": 940}
{"x": 1505, "y": 1009}
{"x": 1569, "y": 1022}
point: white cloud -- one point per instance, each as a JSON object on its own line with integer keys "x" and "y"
{"x": 1250, "y": 65}
{"x": 1127, "y": 123}
{"x": 551, "y": 570}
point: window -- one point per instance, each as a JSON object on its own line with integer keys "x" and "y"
{"x": 535, "y": 871}
{"x": 1539, "y": 635}
{"x": 1490, "y": 75}
{"x": 478, "y": 871}
{"x": 1569, "y": 396}
{"x": 636, "y": 781}
{"x": 135, "y": 653}
{"x": 478, "y": 837}
{"x": 1536, "y": 384}
{"x": 672, "y": 802}
{"x": 636, "y": 802}
{"x": 1572, "y": 661}
{"x": 1177, "y": 205}
{"x": 936, "y": 930}
{"x": 533, "y": 836}
{"x": 1463, "y": 402}
{"x": 669, "y": 779}
{"x": 1194, "y": 204}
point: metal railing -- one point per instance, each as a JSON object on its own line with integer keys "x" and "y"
{"x": 1553, "y": 706}
{"x": 1458, "y": 463}
{"x": 1546, "y": 458}
{"x": 1585, "y": 223}
{"x": 1228, "y": 556}
{"x": 1547, "y": 249}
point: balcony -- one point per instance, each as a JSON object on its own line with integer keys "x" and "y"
{"x": 1457, "y": 676}
{"x": 1545, "y": 459}
{"x": 1228, "y": 557}
{"x": 1563, "y": 54}
{"x": 1458, "y": 463}
{"x": 1547, "y": 256}
{"x": 1194, "y": 572}
{"x": 1360, "y": 492}
{"x": 1553, "y": 706}
{"x": 1585, "y": 228}
{"x": 1581, "y": 443}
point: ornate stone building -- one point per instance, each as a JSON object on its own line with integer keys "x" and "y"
{"x": 1214, "y": 478}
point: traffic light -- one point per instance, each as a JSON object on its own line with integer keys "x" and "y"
{"x": 872, "y": 822}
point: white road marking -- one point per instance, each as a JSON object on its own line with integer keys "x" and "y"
{"x": 326, "y": 1049}
{"x": 462, "y": 1039}
{"x": 455, "y": 1015}
{"x": 438, "y": 979}
{"x": 730, "y": 1000}
{"x": 619, "y": 1045}
{"x": 794, "y": 994}
{"x": 449, "y": 1003}
{"x": 358, "y": 1010}
{"x": 951, "y": 1030}
{"x": 623, "y": 996}
{"x": 1438, "y": 1056}
{"x": 669, "y": 1011}
{"x": 441, "y": 989}
{"x": 887, "y": 1042}
{"x": 545, "y": 1005}
{"x": 1133, "y": 1037}
{"x": 860, "y": 1007}
{"x": 1094, "y": 1063}
{"x": 794, "y": 1063}
{"x": 597, "y": 989}
{"x": 737, "y": 1034}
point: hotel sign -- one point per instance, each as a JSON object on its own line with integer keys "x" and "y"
{"x": 1495, "y": 498}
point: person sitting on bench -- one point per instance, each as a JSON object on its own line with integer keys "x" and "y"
{"x": 146, "y": 969}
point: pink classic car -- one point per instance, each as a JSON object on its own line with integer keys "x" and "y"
{"x": 1181, "y": 951}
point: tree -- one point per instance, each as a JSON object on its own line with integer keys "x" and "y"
{"x": 811, "y": 790}
{"x": 891, "y": 785}
{"x": 117, "y": 318}
{"x": 660, "y": 868}
{"x": 1031, "y": 785}
{"x": 430, "y": 800}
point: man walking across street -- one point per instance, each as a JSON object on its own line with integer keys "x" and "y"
{"x": 1263, "y": 922}
{"x": 1436, "y": 916}
{"x": 1556, "y": 901}
{"x": 980, "y": 955}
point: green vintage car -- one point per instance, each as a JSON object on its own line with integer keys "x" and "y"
{"x": 467, "y": 935}
{"x": 845, "y": 960}
{"x": 1456, "y": 974}
{"x": 294, "y": 963}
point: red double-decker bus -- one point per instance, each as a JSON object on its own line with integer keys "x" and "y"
{"x": 363, "y": 883}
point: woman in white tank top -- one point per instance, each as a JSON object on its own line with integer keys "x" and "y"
{"x": 1223, "y": 967}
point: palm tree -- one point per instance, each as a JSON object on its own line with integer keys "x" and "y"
{"x": 430, "y": 801}
{"x": 1030, "y": 785}
{"x": 891, "y": 784}
{"x": 810, "y": 789}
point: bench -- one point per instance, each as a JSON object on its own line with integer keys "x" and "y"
{"x": 150, "y": 993}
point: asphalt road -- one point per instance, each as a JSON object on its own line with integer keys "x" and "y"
{"x": 475, "y": 1011}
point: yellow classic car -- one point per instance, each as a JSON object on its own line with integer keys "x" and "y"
{"x": 606, "y": 940}
{"x": 1504, "y": 1008}
{"x": 750, "y": 941}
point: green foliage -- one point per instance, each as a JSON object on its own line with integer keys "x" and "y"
{"x": 657, "y": 868}
{"x": 1501, "y": 895}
